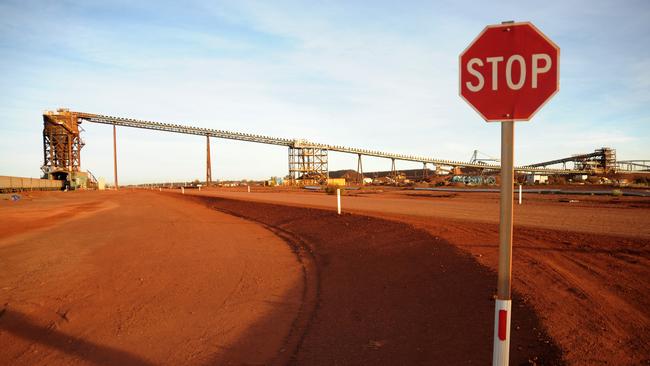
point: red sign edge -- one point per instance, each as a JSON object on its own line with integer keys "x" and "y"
{"x": 557, "y": 80}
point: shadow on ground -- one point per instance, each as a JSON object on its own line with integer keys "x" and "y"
{"x": 390, "y": 294}
{"x": 20, "y": 325}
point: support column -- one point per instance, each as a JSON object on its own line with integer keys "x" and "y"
{"x": 425, "y": 174}
{"x": 78, "y": 153}
{"x": 208, "y": 164}
{"x": 291, "y": 174}
{"x": 393, "y": 171}
{"x": 68, "y": 145}
{"x": 45, "y": 144}
{"x": 115, "y": 156}
{"x": 360, "y": 168}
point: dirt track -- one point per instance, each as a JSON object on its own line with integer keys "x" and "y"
{"x": 583, "y": 266}
{"x": 390, "y": 294}
{"x": 140, "y": 279}
{"x": 155, "y": 278}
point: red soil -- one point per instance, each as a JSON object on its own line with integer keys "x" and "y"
{"x": 389, "y": 294}
{"x": 583, "y": 266}
{"x": 153, "y": 278}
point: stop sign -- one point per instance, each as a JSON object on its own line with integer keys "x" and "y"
{"x": 509, "y": 71}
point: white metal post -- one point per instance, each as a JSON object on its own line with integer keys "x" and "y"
{"x": 183, "y": 190}
{"x": 501, "y": 332}
{"x": 520, "y": 194}
{"x": 249, "y": 189}
{"x": 338, "y": 200}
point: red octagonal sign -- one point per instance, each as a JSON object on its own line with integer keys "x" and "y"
{"x": 509, "y": 71}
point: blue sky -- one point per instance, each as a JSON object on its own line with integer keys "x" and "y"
{"x": 379, "y": 75}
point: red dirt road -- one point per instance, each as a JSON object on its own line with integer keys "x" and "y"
{"x": 583, "y": 266}
{"x": 140, "y": 279}
{"x": 146, "y": 278}
{"x": 390, "y": 294}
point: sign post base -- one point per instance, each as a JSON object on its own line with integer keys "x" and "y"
{"x": 501, "y": 351}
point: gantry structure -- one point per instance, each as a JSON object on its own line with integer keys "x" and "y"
{"x": 307, "y": 159}
{"x": 601, "y": 161}
{"x": 62, "y": 145}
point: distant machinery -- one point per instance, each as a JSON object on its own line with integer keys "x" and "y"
{"x": 601, "y": 161}
{"x": 482, "y": 160}
{"x": 62, "y": 145}
{"x": 633, "y": 165}
{"x": 308, "y": 161}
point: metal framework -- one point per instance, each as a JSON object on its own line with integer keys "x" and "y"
{"x": 602, "y": 160}
{"x": 633, "y": 165}
{"x": 308, "y": 164}
{"x": 307, "y": 160}
{"x": 178, "y": 128}
{"x": 476, "y": 159}
{"x": 61, "y": 145}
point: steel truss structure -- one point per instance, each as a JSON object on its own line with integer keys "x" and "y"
{"x": 293, "y": 143}
{"x": 602, "y": 160}
{"x": 307, "y": 160}
{"x": 61, "y": 146}
{"x": 634, "y": 165}
{"x": 308, "y": 164}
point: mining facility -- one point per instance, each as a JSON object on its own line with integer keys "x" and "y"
{"x": 307, "y": 161}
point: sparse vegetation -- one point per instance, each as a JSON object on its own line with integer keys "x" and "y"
{"x": 332, "y": 190}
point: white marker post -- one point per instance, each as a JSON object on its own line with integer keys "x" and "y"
{"x": 338, "y": 200}
{"x": 249, "y": 189}
{"x": 182, "y": 190}
{"x": 520, "y": 194}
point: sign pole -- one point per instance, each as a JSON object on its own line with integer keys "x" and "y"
{"x": 528, "y": 62}
{"x": 503, "y": 301}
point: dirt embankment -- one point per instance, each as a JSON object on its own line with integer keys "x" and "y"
{"x": 390, "y": 294}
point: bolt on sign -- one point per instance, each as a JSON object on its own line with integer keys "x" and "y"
{"x": 507, "y": 74}
{"x": 509, "y": 71}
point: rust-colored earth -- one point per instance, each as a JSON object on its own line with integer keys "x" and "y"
{"x": 142, "y": 278}
{"x": 582, "y": 262}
